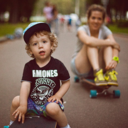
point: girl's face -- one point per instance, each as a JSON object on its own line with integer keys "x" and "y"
{"x": 95, "y": 20}
{"x": 40, "y": 47}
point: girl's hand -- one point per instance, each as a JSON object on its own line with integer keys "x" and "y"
{"x": 111, "y": 65}
{"x": 54, "y": 98}
{"x": 20, "y": 113}
{"x": 114, "y": 45}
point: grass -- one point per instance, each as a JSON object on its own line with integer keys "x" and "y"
{"x": 116, "y": 29}
{"x": 7, "y": 28}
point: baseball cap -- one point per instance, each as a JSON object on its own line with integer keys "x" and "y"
{"x": 33, "y": 27}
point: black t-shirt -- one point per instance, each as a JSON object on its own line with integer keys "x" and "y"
{"x": 45, "y": 81}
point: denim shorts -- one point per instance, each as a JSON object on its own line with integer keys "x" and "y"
{"x": 39, "y": 110}
{"x": 76, "y": 72}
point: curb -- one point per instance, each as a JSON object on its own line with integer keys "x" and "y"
{"x": 4, "y": 38}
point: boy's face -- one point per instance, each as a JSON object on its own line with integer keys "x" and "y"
{"x": 40, "y": 47}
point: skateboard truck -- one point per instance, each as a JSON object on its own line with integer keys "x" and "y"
{"x": 94, "y": 93}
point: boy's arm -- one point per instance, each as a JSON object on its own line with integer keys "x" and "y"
{"x": 63, "y": 89}
{"x": 22, "y": 109}
{"x": 24, "y": 93}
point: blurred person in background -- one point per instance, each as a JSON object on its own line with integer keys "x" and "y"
{"x": 107, "y": 20}
{"x": 69, "y": 23}
{"x": 62, "y": 20}
{"x": 96, "y": 51}
{"x": 55, "y": 19}
{"x": 47, "y": 13}
{"x": 78, "y": 23}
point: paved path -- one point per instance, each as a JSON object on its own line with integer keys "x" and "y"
{"x": 81, "y": 111}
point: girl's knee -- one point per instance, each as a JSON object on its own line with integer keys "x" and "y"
{"x": 109, "y": 48}
{"x": 15, "y": 101}
{"x": 52, "y": 109}
{"x": 106, "y": 47}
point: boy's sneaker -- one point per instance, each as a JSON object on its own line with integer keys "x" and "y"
{"x": 99, "y": 78}
{"x": 6, "y": 126}
{"x": 111, "y": 77}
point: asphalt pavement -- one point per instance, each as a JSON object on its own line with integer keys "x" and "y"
{"x": 80, "y": 109}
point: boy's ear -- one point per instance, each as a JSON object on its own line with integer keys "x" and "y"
{"x": 30, "y": 51}
{"x": 52, "y": 47}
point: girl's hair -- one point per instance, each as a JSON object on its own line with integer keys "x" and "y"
{"x": 96, "y": 7}
{"x": 52, "y": 37}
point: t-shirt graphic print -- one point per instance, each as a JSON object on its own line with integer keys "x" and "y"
{"x": 43, "y": 90}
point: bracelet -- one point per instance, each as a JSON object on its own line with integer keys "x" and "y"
{"x": 115, "y": 58}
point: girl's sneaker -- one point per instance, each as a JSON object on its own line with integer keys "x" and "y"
{"x": 111, "y": 77}
{"x": 99, "y": 78}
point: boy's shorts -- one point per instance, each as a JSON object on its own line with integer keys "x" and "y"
{"x": 76, "y": 72}
{"x": 39, "y": 110}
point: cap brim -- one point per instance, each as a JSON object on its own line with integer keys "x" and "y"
{"x": 34, "y": 28}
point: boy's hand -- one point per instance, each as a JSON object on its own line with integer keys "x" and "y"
{"x": 54, "y": 98}
{"x": 20, "y": 111}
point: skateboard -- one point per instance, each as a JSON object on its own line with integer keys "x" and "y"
{"x": 35, "y": 122}
{"x": 103, "y": 89}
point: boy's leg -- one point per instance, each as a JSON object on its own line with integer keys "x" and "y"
{"x": 53, "y": 110}
{"x": 14, "y": 106}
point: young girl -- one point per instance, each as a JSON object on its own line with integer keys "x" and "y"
{"x": 41, "y": 93}
{"x": 96, "y": 50}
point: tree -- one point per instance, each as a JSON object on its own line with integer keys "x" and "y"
{"x": 3, "y": 8}
{"x": 18, "y": 9}
{"x": 90, "y": 2}
{"x": 120, "y": 7}
{"x": 14, "y": 11}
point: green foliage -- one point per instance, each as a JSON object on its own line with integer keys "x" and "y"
{"x": 89, "y": 2}
{"x": 63, "y": 6}
{"x": 116, "y": 29}
{"x": 10, "y": 28}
